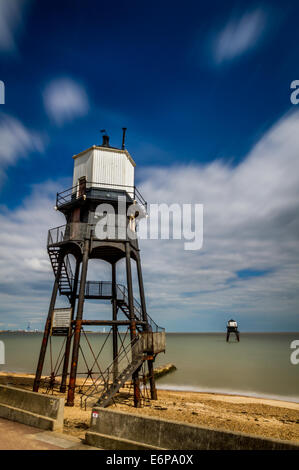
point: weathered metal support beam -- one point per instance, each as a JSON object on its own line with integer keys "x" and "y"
{"x": 69, "y": 337}
{"x": 77, "y": 331}
{"x": 150, "y": 363}
{"x": 141, "y": 288}
{"x": 43, "y": 349}
{"x": 130, "y": 291}
{"x": 136, "y": 386}
{"x": 135, "y": 376}
{"x": 114, "y": 325}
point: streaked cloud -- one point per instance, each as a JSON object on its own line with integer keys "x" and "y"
{"x": 65, "y": 100}
{"x": 12, "y": 13}
{"x": 251, "y": 222}
{"x": 238, "y": 36}
{"x": 16, "y": 141}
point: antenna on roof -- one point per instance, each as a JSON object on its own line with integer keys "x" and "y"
{"x": 124, "y": 138}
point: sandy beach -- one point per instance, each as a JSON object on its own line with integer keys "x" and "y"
{"x": 256, "y": 416}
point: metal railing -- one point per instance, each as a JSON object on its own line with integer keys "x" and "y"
{"x": 98, "y": 289}
{"x": 104, "y": 289}
{"x": 64, "y": 233}
{"x": 77, "y": 192}
{"x": 78, "y": 231}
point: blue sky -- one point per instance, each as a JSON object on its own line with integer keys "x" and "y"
{"x": 204, "y": 90}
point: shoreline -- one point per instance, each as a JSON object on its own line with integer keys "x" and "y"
{"x": 258, "y": 416}
{"x": 259, "y": 397}
{"x": 229, "y": 393}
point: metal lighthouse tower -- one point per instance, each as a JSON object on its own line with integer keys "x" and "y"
{"x": 101, "y": 211}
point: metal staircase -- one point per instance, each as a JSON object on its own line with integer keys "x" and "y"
{"x": 66, "y": 277}
{"x": 119, "y": 382}
{"x": 123, "y": 304}
{"x": 108, "y": 384}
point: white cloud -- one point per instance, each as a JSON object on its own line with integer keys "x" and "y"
{"x": 65, "y": 100}
{"x": 251, "y": 222}
{"x": 16, "y": 141}
{"x": 239, "y": 35}
{"x": 11, "y": 18}
{"x": 25, "y": 270}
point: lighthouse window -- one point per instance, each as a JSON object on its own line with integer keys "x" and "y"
{"x": 81, "y": 186}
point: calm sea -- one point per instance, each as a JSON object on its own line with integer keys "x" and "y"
{"x": 259, "y": 365}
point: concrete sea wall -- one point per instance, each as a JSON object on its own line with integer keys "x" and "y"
{"x": 35, "y": 409}
{"x": 119, "y": 430}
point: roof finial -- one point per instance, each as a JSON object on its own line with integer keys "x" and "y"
{"x": 105, "y": 142}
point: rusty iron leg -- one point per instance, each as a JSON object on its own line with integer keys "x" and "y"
{"x": 114, "y": 327}
{"x": 141, "y": 289}
{"x": 43, "y": 349}
{"x": 136, "y": 385}
{"x": 135, "y": 376}
{"x": 144, "y": 317}
{"x": 69, "y": 337}
{"x": 78, "y": 324}
{"x": 150, "y": 364}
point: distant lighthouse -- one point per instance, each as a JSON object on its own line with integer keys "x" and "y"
{"x": 232, "y": 327}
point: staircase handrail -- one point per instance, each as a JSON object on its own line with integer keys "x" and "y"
{"x": 138, "y": 309}
{"x": 68, "y": 269}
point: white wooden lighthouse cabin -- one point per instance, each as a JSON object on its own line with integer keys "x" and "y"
{"x": 102, "y": 174}
{"x": 105, "y": 167}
